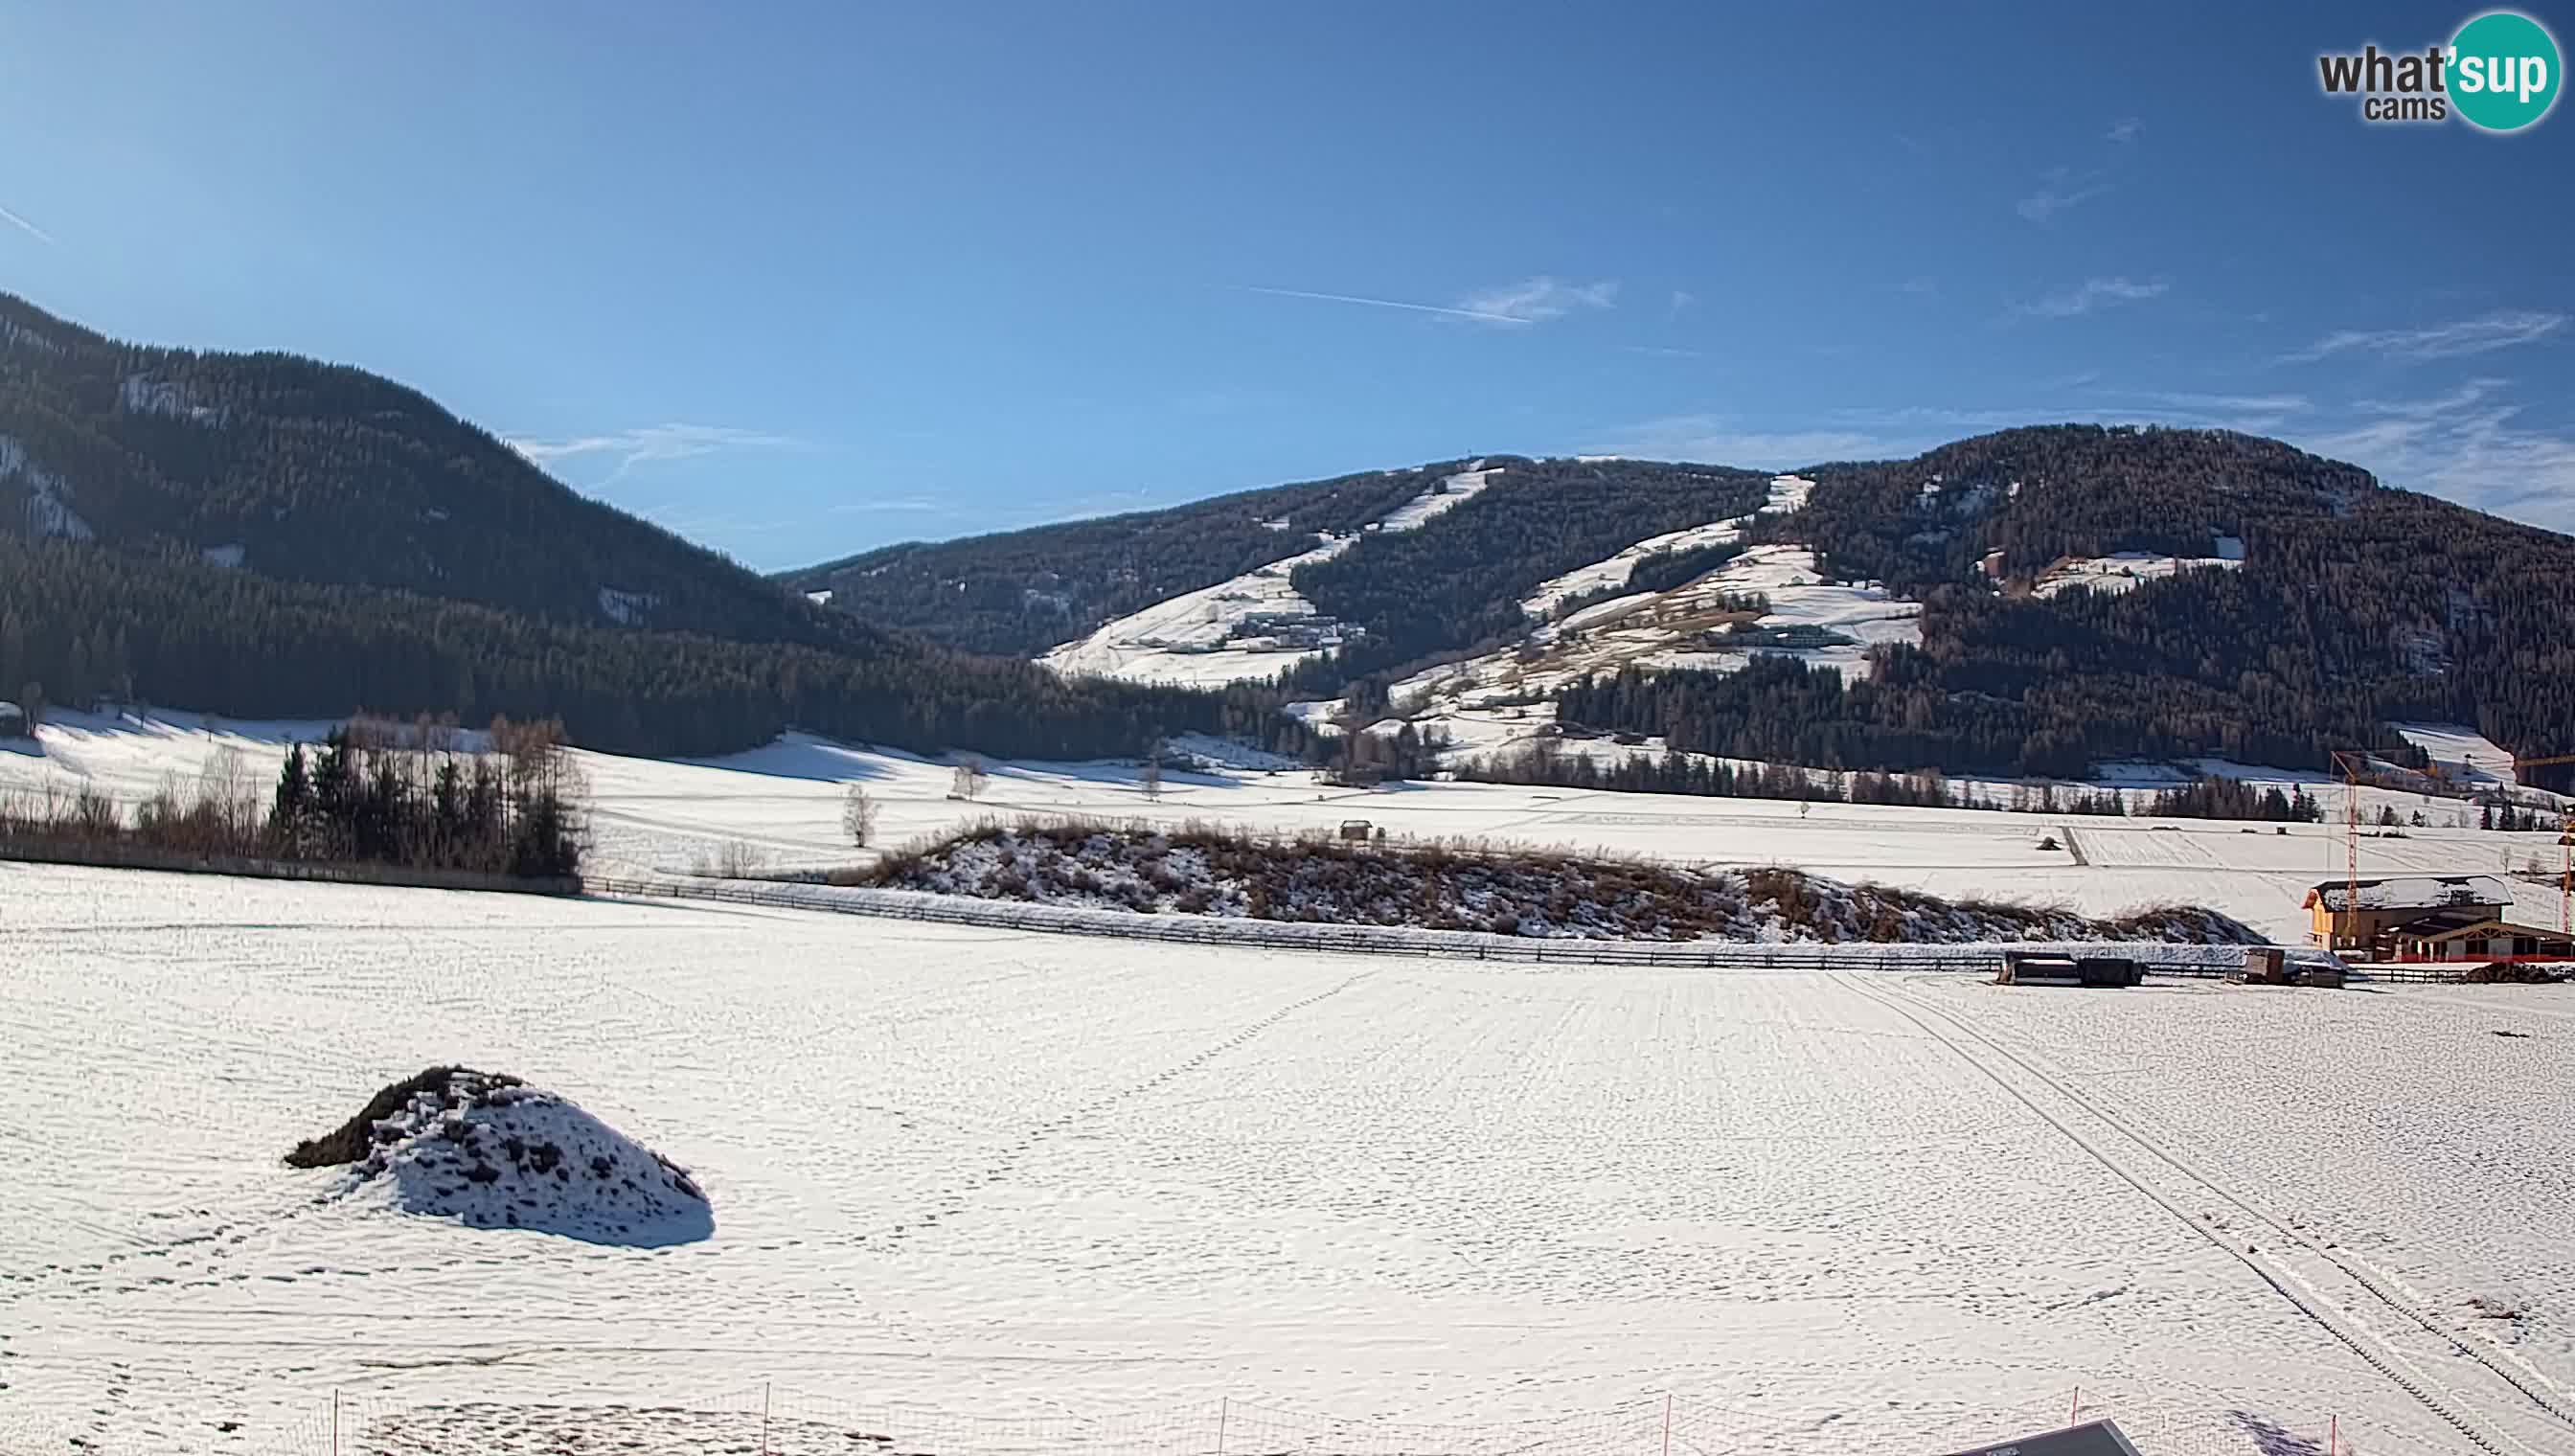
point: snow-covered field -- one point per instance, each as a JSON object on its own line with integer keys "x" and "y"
{"x": 2126, "y": 570}
{"x": 971, "y": 1185}
{"x": 781, "y": 805}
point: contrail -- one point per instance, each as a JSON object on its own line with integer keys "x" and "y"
{"x": 1386, "y": 303}
{"x": 40, "y": 234}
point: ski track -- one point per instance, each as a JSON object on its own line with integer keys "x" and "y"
{"x": 2376, "y": 1323}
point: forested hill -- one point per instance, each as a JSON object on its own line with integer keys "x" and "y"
{"x": 2354, "y": 606}
{"x": 2331, "y": 604}
{"x": 1444, "y": 586}
{"x": 266, "y": 535}
{"x": 326, "y": 474}
{"x": 1022, "y": 592}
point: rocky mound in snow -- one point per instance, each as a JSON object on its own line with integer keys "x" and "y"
{"x": 1199, "y": 869}
{"x": 491, "y": 1151}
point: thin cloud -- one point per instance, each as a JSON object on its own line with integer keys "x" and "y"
{"x": 1682, "y": 299}
{"x": 1536, "y": 300}
{"x": 2253, "y": 414}
{"x": 1662, "y": 351}
{"x": 2062, "y": 189}
{"x": 647, "y": 445}
{"x": 1921, "y": 285}
{"x": 1483, "y": 315}
{"x": 2503, "y": 329}
{"x": 2468, "y": 445}
{"x": 37, "y": 233}
{"x": 1717, "y": 439}
{"x": 2091, "y": 294}
{"x": 2124, "y": 130}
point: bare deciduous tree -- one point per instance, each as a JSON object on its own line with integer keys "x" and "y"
{"x": 858, "y": 815}
{"x": 969, "y": 779}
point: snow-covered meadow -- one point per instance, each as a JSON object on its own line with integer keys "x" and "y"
{"x": 779, "y": 807}
{"x": 963, "y": 1176}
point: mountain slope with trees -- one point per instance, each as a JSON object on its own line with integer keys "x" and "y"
{"x": 80, "y": 621}
{"x": 267, "y": 536}
{"x": 1022, "y": 592}
{"x": 2357, "y": 604}
{"x": 322, "y": 472}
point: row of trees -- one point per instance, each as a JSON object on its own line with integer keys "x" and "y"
{"x": 415, "y": 794}
{"x": 1549, "y": 761}
{"x": 2229, "y": 798}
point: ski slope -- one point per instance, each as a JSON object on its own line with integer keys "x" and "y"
{"x": 1246, "y": 627}
{"x": 1494, "y": 699}
{"x": 969, "y": 1178}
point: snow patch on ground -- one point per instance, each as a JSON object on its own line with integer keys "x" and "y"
{"x": 1615, "y": 570}
{"x": 2461, "y": 752}
{"x": 223, "y": 556}
{"x": 1787, "y": 493}
{"x": 1451, "y": 493}
{"x": 142, "y": 395}
{"x": 1824, "y": 623}
{"x": 1207, "y": 750}
{"x": 1248, "y": 626}
{"x": 820, "y": 599}
{"x": 2125, "y": 571}
{"x": 490, "y": 1152}
{"x": 627, "y": 609}
{"x": 15, "y": 335}
{"x": 49, "y": 511}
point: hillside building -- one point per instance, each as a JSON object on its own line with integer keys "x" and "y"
{"x": 13, "y": 721}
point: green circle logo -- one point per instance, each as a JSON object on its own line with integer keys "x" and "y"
{"x": 2504, "y": 71}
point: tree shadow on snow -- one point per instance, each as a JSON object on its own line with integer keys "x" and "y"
{"x": 2271, "y": 1439}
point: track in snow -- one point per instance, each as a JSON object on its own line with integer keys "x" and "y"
{"x": 2378, "y": 1326}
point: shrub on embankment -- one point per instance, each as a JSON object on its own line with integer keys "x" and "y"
{"x": 1198, "y": 869}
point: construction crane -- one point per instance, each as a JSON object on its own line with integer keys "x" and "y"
{"x": 2357, "y": 766}
{"x": 2565, "y": 842}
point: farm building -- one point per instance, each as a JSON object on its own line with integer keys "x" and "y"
{"x": 13, "y": 721}
{"x": 2351, "y": 916}
{"x": 2469, "y": 934}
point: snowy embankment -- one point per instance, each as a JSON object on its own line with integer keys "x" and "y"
{"x": 489, "y": 1152}
{"x": 1201, "y": 870}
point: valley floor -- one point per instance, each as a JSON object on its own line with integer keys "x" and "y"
{"x": 779, "y": 805}
{"x": 971, "y": 1186}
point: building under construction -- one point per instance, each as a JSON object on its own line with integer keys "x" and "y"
{"x": 2426, "y": 918}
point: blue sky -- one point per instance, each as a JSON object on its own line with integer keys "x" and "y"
{"x": 797, "y": 280}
